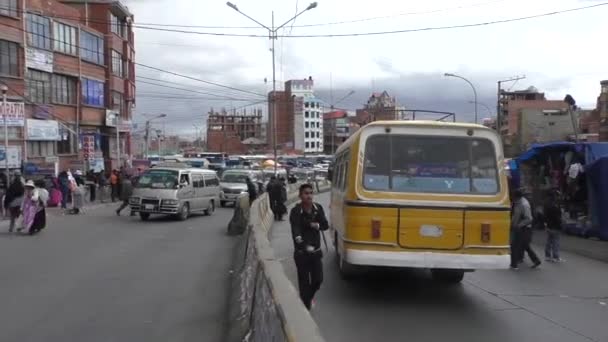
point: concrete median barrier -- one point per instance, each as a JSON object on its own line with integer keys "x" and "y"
{"x": 264, "y": 305}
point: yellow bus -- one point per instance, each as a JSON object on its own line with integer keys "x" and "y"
{"x": 421, "y": 194}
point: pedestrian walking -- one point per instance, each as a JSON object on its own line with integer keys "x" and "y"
{"x": 253, "y": 194}
{"x": 274, "y": 195}
{"x": 282, "y": 208}
{"x": 33, "y": 208}
{"x": 521, "y": 227}
{"x": 553, "y": 226}
{"x": 114, "y": 184}
{"x": 13, "y": 200}
{"x": 91, "y": 181}
{"x": 308, "y": 222}
{"x": 126, "y": 191}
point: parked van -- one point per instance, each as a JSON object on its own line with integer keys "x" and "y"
{"x": 175, "y": 189}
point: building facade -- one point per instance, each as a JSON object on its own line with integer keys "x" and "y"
{"x": 338, "y": 125}
{"x": 68, "y": 67}
{"x": 299, "y": 119}
{"x": 512, "y": 117}
{"x": 234, "y": 133}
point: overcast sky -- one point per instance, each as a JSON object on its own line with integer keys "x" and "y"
{"x": 560, "y": 54}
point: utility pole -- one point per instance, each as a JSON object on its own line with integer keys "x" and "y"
{"x": 4, "y": 112}
{"x": 498, "y": 104}
{"x": 273, "y": 35}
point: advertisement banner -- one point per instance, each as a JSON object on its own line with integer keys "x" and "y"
{"x": 39, "y": 59}
{"x": 112, "y": 118}
{"x": 88, "y": 146}
{"x": 15, "y": 113}
{"x": 41, "y": 168}
{"x": 43, "y": 130}
{"x": 13, "y": 156}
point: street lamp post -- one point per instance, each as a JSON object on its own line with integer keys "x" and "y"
{"x": 272, "y": 35}
{"x": 148, "y": 132}
{"x": 447, "y": 74}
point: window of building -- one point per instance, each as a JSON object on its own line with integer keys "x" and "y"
{"x": 117, "y": 64}
{"x": 41, "y": 148}
{"x": 306, "y": 104}
{"x": 117, "y": 25}
{"x": 91, "y": 48}
{"x": 8, "y": 8}
{"x": 306, "y": 124}
{"x": 93, "y": 92}
{"x": 38, "y": 86}
{"x": 65, "y": 38}
{"x": 306, "y": 135}
{"x": 67, "y": 144}
{"x": 13, "y": 132}
{"x": 318, "y": 134}
{"x": 307, "y": 144}
{"x": 64, "y": 89}
{"x": 117, "y": 103}
{"x": 318, "y": 125}
{"x": 306, "y": 114}
{"x": 9, "y": 58}
{"x": 39, "y": 31}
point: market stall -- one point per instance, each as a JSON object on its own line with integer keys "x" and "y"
{"x": 561, "y": 168}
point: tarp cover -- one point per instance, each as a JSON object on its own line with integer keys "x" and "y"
{"x": 596, "y": 174}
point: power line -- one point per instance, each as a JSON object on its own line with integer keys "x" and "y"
{"x": 361, "y": 34}
{"x": 198, "y": 79}
{"x": 224, "y": 93}
{"x": 137, "y": 25}
{"x": 192, "y": 91}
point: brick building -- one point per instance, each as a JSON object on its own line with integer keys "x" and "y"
{"x": 236, "y": 132}
{"x": 512, "y": 117}
{"x": 299, "y": 118}
{"x": 69, "y": 69}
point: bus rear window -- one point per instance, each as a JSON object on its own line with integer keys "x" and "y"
{"x": 423, "y": 164}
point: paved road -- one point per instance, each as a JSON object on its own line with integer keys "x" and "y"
{"x": 558, "y": 302}
{"x": 99, "y": 277}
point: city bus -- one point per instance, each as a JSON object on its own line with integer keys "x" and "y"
{"x": 421, "y": 194}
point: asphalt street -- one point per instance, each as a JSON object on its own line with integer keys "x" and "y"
{"x": 556, "y": 303}
{"x": 99, "y": 277}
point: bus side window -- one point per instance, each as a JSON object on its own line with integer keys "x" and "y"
{"x": 344, "y": 175}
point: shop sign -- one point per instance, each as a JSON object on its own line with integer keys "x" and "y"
{"x": 13, "y": 156}
{"x": 39, "y": 59}
{"x": 97, "y": 165}
{"x": 125, "y": 126}
{"x": 112, "y": 118}
{"x": 15, "y": 113}
{"x": 40, "y": 169}
{"x": 43, "y": 130}
{"x": 88, "y": 146}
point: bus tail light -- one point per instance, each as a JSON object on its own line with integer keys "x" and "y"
{"x": 485, "y": 232}
{"x": 376, "y": 225}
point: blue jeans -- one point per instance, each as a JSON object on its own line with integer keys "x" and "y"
{"x": 552, "y": 245}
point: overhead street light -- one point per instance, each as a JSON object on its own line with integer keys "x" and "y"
{"x": 447, "y": 74}
{"x": 272, "y": 35}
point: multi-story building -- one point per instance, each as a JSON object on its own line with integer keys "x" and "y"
{"x": 512, "y": 117}
{"x": 338, "y": 125}
{"x": 234, "y": 133}
{"x": 299, "y": 119}
{"x": 69, "y": 69}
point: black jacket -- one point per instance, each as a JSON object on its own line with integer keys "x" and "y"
{"x": 302, "y": 233}
{"x": 553, "y": 217}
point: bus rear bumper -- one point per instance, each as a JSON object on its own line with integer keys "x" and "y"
{"x": 428, "y": 260}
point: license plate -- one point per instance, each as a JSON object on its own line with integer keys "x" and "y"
{"x": 431, "y": 231}
{"x": 149, "y": 206}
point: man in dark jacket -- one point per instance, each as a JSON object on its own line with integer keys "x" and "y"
{"x": 274, "y": 195}
{"x": 307, "y": 223}
{"x": 126, "y": 191}
{"x": 253, "y": 194}
{"x": 552, "y": 217}
{"x": 13, "y": 200}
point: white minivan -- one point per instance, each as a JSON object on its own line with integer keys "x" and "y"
{"x": 175, "y": 189}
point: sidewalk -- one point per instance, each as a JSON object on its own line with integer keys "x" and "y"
{"x": 590, "y": 248}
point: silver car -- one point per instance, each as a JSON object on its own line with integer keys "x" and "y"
{"x": 175, "y": 191}
{"x": 233, "y": 183}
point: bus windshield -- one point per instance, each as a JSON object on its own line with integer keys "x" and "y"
{"x": 405, "y": 163}
{"x": 158, "y": 179}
